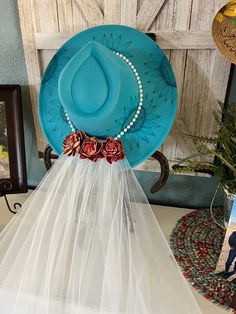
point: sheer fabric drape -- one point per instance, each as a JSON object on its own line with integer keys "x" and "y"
{"x": 87, "y": 242}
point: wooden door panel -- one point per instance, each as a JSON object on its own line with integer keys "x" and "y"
{"x": 183, "y": 29}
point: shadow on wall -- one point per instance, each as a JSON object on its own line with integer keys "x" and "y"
{"x": 35, "y": 166}
{"x": 183, "y": 190}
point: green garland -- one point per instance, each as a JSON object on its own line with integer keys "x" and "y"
{"x": 222, "y": 147}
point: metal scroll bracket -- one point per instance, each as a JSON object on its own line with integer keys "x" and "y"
{"x": 5, "y": 187}
{"x": 47, "y": 156}
{"x": 16, "y": 206}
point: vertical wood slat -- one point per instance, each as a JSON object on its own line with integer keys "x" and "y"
{"x": 203, "y": 13}
{"x": 65, "y": 24}
{"x": 148, "y": 12}
{"x": 167, "y": 54}
{"x": 183, "y": 9}
{"x": 112, "y": 11}
{"x": 46, "y": 16}
{"x": 45, "y": 57}
{"x": 196, "y": 88}
{"x": 65, "y": 16}
{"x": 161, "y": 23}
{"x": 184, "y": 144}
{"x": 91, "y": 11}
{"x": 79, "y": 21}
{"x": 27, "y": 19}
{"x": 220, "y": 70}
{"x": 172, "y": 147}
{"x": 163, "y": 20}
{"x": 201, "y": 120}
{"x": 196, "y": 99}
{"x": 129, "y": 12}
{"x": 195, "y": 94}
{"x": 217, "y": 90}
{"x": 175, "y": 145}
{"x": 217, "y": 82}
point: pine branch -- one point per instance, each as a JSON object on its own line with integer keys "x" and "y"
{"x": 210, "y": 140}
{"x": 231, "y": 167}
{"x": 203, "y": 167}
{"x": 223, "y": 147}
{"x": 188, "y": 158}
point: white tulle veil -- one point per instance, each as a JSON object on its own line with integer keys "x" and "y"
{"x": 86, "y": 242}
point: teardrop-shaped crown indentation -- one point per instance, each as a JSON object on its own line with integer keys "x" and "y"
{"x": 90, "y": 87}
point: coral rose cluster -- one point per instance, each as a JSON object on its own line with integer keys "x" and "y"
{"x": 91, "y": 148}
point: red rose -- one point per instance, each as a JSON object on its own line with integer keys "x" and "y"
{"x": 113, "y": 150}
{"x": 72, "y": 143}
{"x": 91, "y": 149}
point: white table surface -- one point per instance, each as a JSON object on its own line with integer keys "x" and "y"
{"x": 167, "y": 218}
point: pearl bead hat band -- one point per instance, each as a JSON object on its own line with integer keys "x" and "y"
{"x": 140, "y": 103}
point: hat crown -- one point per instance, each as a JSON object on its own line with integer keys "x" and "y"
{"x": 93, "y": 87}
{"x": 93, "y": 72}
{"x": 91, "y": 93}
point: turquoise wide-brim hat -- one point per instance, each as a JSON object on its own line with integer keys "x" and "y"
{"x": 100, "y": 93}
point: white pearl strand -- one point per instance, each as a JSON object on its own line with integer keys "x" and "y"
{"x": 133, "y": 120}
{"x": 140, "y": 87}
{"x": 69, "y": 121}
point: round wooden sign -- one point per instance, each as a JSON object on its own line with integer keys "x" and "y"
{"x": 224, "y": 30}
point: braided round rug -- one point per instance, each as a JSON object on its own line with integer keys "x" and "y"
{"x": 196, "y": 243}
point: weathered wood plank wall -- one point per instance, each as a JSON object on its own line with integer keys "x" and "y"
{"x": 183, "y": 29}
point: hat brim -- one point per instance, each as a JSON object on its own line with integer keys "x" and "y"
{"x": 159, "y": 88}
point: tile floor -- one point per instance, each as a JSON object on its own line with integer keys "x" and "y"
{"x": 167, "y": 217}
